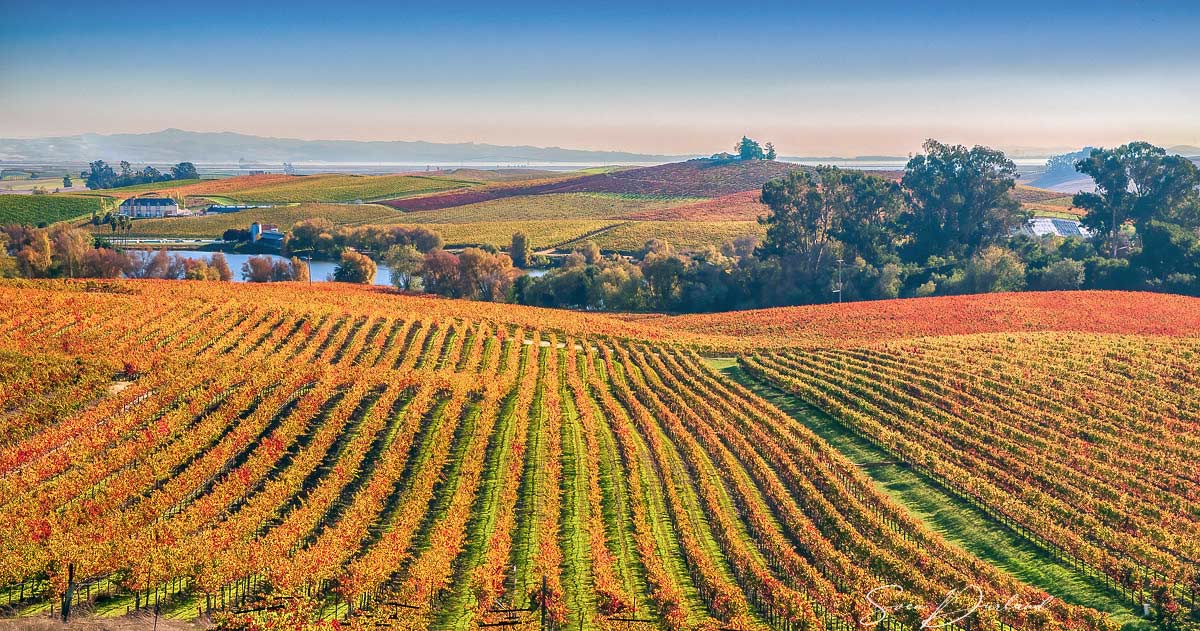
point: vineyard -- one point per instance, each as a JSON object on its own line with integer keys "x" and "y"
{"x": 692, "y": 179}
{"x": 1132, "y": 313}
{"x": 326, "y": 187}
{"x": 265, "y": 455}
{"x": 549, "y": 206}
{"x": 1086, "y": 444}
{"x": 564, "y": 219}
{"x": 281, "y": 188}
{"x": 543, "y": 233}
{"x": 745, "y": 206}
{"x": 35, "y": 209}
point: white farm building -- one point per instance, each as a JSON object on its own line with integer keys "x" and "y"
{"x": 1046, "y": 226}
{"x": 140, "y": 207}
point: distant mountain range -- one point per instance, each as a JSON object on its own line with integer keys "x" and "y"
{"x": 176, "y": 145}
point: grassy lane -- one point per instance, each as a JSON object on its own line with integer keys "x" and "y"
{"x": 577, "y": 575}
{"x": 956, "y": 520}
{"x": 577, "y": 512}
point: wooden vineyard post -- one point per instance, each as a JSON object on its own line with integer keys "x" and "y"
{"x": 542, "y": 603}
{"x": 66, "y": 601}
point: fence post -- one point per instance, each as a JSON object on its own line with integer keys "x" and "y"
{"x": 66, "y": 604}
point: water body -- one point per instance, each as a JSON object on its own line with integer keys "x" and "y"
{"x": 319, "y": 271}
{"x": 897, "y": 164}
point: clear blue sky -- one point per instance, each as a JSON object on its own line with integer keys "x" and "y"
{"x": 818, "y": 79}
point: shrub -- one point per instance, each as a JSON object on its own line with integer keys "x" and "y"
{"x": 1061, "y": 275}
{"x": 355, "y": 268}
{"x": 994, "y": 269}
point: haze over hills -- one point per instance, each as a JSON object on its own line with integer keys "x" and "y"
{"x": 174, "y": 145}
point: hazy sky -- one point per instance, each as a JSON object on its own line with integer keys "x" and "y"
{"x": 828, "y": 78}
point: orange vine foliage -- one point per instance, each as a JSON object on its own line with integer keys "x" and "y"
{"x": 288, "y": 455}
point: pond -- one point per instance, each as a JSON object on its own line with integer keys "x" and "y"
{"x": 319, "y": 271}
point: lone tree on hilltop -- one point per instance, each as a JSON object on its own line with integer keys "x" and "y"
{"x": 748, "y": 149}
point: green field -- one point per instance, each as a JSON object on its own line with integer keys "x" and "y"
{"x": 48, "y": 179}
{"x": 344, "y": 188}
{"x": 630, "y": 236}
{"x": 35, "y": 209}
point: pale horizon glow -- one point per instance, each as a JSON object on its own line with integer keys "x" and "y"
{"x": 816, "y": 81}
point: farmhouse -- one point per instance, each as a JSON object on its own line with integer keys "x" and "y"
{"x": 267, "y": 235}
{"x": 141, "y": 207}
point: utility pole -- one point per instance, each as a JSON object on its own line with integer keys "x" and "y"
{"x": 839, "y": 281}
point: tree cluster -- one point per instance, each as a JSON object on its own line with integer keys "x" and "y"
{"x": 475, "y": 274}
{"x": 324, "y": 240}
{"x": 949, "y": 226}
{"x": 660, "y": 279}
{"x": 161, "y": 265}
{"x": 61, "y": 251}
{"x": 101, "y": 175}
{"x": 267, "y": 269}
{"x": 1145, "y": 215}
{"x": 747, "y": 149}
{"x": 58, "y": 251}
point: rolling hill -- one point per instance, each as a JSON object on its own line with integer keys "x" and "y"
{"x": 694, "y": 178}
{"x": 300, "y": 455}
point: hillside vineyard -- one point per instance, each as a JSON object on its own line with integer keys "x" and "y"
{"x": 382, "y": 459}
{"x": 1086, "y": 442}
